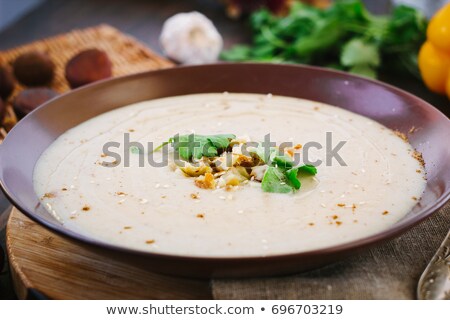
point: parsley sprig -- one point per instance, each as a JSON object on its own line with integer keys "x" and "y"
{"x": 195, "y": 146}
{"x": 344, "y": 36}
{"x": 281, "y": 176}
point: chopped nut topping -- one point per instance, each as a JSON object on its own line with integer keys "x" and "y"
{"x": 200, "y": 215}
{"x": 86, "y": 208}
{"x": 338, "y": 223}
{"x": 385, "y": 212}
{"x": 206, "y": 182}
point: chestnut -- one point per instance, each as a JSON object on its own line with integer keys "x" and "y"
{"x": 34, "y": 69}
{"x": 2, "y": 110}
{"x": 6, "y": 82}
{"x": 88, "y": 66}
{"x": 29, "y": 99}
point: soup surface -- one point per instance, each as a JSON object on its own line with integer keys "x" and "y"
{"x": 376, "y": 181}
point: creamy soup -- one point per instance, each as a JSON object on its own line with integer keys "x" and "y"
{"x": 154, "y": 208}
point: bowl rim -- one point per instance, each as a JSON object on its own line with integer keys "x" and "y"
{"x": 394, "y": 230}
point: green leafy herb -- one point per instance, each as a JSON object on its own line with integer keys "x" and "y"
{"x": 362, "y": 57}
{"x": 344, "y": 36}
{"x": 280, "y": 180}
{"x": 274, "y": 181}
{"x": 264, "y": 154}
{"x": 195, "y": 146}
{"x": 279, "y": 177}
{"x": 292, "y": 174}
{"x": 283, "y": 162}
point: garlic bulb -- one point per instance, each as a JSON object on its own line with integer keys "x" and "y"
{"x": 191, "y": 38}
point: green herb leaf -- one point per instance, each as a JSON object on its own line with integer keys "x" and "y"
{"x": 278, "y": 180}
{"x": 220, "y": 141}
{"x": 195, "y": 146}
{"x": 264, "y": 154}
{"x": 274, "y": 181}
{"x": 316, "y": 36}
{"x": 307, "y": 169}
{"x": 292, "y": 174}
{"x": 357, "y": 52}
{"x": 283, "y": 162}
{"x": 364, "y": 70}
{"x": 293, "y": 179}
{"x": 237, "y": 53}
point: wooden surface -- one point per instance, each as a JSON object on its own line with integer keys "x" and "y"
{"x": 62, "y": 269}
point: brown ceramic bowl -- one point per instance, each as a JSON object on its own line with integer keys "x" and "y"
{"x": 392, "y": 107}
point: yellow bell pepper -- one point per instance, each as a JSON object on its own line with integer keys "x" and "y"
{"x": 434, "y": 55}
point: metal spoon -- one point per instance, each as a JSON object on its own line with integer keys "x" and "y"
{"x": 434, "y": 284}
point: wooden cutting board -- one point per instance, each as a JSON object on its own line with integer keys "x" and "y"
{"x": 43, "y": 262}
{"x": 62, "y": 269}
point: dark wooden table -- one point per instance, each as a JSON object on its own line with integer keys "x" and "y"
{"x": 143, "y": 19}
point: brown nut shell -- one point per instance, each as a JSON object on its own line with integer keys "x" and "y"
{"x": 88, "y": 66}
{"x": 6, "y": 82}
{"x": 34, "y": 69}
{"x": 2, "y": 110}
{"x": 29, "y": 99}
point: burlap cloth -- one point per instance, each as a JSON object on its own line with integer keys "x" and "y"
{"x": 388, "y": 271}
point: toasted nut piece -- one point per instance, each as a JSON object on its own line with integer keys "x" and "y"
{"x": 258, "y": 172}
{"x": 206, "y": 182}
{"x": 239, "y": 160}
{"x": 234, "y": 177}
{"x": 195, "y": 171}
{"x": 239, "y": 140}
